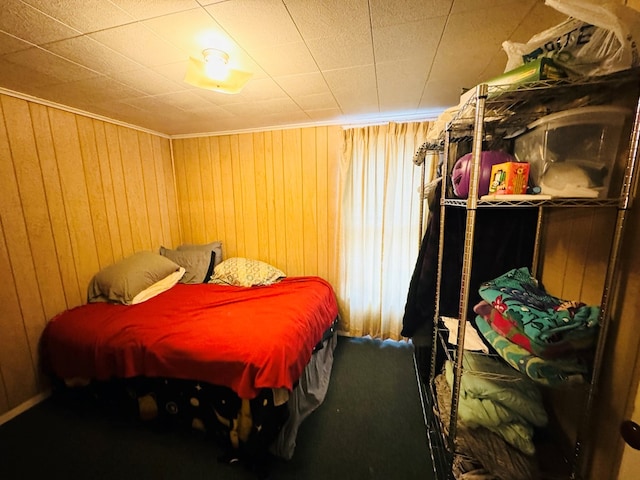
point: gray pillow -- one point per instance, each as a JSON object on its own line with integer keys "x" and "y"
{"x": 123, "y": 280}
{"x": 198, "y": 264}
{"x": 207, "y": 247}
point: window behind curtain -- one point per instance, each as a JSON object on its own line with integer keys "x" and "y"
{"x": 379, "y": 226}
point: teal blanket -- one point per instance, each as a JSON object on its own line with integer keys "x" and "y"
{"x": 540, "y": 316}
{"x": 553, "y": 373}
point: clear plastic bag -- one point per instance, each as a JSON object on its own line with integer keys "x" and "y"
{"x": 596, "y": 39}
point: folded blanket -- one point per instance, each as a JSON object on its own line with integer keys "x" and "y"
{"x": 495, "y": 396}
{"x": 480, "y": 448}
{"x": 553, "y": 373}
{"x": 510, "y": 329}
{"x": 542, "y": 318}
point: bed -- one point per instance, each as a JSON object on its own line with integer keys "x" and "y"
{"x": 246, "y": 363}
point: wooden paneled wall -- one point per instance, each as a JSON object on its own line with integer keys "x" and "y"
{"x": 76, "y": 194}
{"x": 270, "y": 196}
{"x": 578, "y": 243}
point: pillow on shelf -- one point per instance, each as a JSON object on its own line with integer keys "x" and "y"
{"x": 134, "y": 279}
{"x": 244, "y": 272}
{"x": 198, "y": 264}
{"x": 207, "y": 247}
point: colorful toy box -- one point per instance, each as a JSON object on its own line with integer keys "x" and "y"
{"x": 510, "y": 178}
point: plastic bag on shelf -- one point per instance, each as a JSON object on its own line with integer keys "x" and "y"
{"x": 596, "y": 39}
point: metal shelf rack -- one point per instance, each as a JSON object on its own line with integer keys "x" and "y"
{"x": 500, "y": 112}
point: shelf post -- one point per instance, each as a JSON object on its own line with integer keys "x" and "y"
{"x": 472, "y": 204}
{"x": 580, "y": 456}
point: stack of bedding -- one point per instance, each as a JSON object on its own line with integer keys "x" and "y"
{"x": 496, "y": 397}
{"x": 544, "y": 337}
{"x": 482, "y": 454}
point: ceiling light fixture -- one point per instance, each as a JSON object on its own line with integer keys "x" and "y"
{"x": 216, "y": 64}
{"x": 215, "y": 73}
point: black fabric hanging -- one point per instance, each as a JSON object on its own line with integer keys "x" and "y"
{"x": 504, "y": 239}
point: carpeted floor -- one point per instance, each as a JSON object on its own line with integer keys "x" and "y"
{"x": 369, "y": 427}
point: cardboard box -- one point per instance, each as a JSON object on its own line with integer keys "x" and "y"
{"x": 509, "y": 178}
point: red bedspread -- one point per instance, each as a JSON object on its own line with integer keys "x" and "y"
{"x": 242, "y": 338}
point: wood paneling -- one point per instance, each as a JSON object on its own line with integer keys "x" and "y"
{"x": 76, "y": 194}
{"x": 577, "y": 243}
{"x": 270, "y": 196}
{"x": 621, "y": 366}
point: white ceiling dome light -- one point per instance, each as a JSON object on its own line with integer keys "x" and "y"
{"x": 215, "y": 73}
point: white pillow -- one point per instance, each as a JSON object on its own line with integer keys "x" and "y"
{"x": 157, "y": 288}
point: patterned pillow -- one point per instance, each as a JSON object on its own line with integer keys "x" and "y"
{"x": 243, "y": 272}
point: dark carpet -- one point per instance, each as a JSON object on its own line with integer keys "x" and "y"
{"x": 369, "y": 427}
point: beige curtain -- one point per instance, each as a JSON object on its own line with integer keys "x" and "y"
{"x": 379, "y": 225}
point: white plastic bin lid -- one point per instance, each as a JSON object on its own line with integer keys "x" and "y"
{"x": 600, "y": 114}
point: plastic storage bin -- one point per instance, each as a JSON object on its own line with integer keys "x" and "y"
{"x": 572, "y": 153}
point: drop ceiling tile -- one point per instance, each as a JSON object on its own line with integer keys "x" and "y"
{"x": 207, "y": 126}
{"x": 84, "y": 93}
{"x": 10, "y": 44}
{"x": 256, "y": 23}
{"x": 285, "y": 59}
{"x": 29, "y": 24}
{"x": 82, "y": 15}
{"x": 140, "y": 44}
{"x": 321, "y": 101}
{"x": 300, "y": 44}
{"x": 538, "y": 19}
{"x": 280, "y": 119}
{"x": 21, "y": 78}
{"x": 209, "y": 111}
{"x": 400, "y": 84}
{"x": 144, "y": 9}
{"x": 330, "y": 17}
{"x": 266, "y": 107}
{"x": 494, "y": 68}
{"x": 467, "y": 37}
{"x": 92, "y": 54}
{"x": 354, "y": 89}
{"x": 304, "y": 84}
{"x": 193, "y": 31}
{"x": 331, "y": 115}
{"x": 148, "y": 81}
{"x": 262, "y": 89}
{"x": 49, "y": 66}
{"x": 415, "y": 40}
{"x": 117, "y": 109}
{"x": 385, "y": 12}
{"x": 440, "y": 94}
{"x": 445, "y": 71}
{"x": 217, "y": 98}
{"x": 342, "y": 51}
{"x": 185, "y": 100}
{"x": 156, "y": 106}
{"x": 174, "y": 72}
{"x": 473, "y": 6}
{"x": 157, "y": 122}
